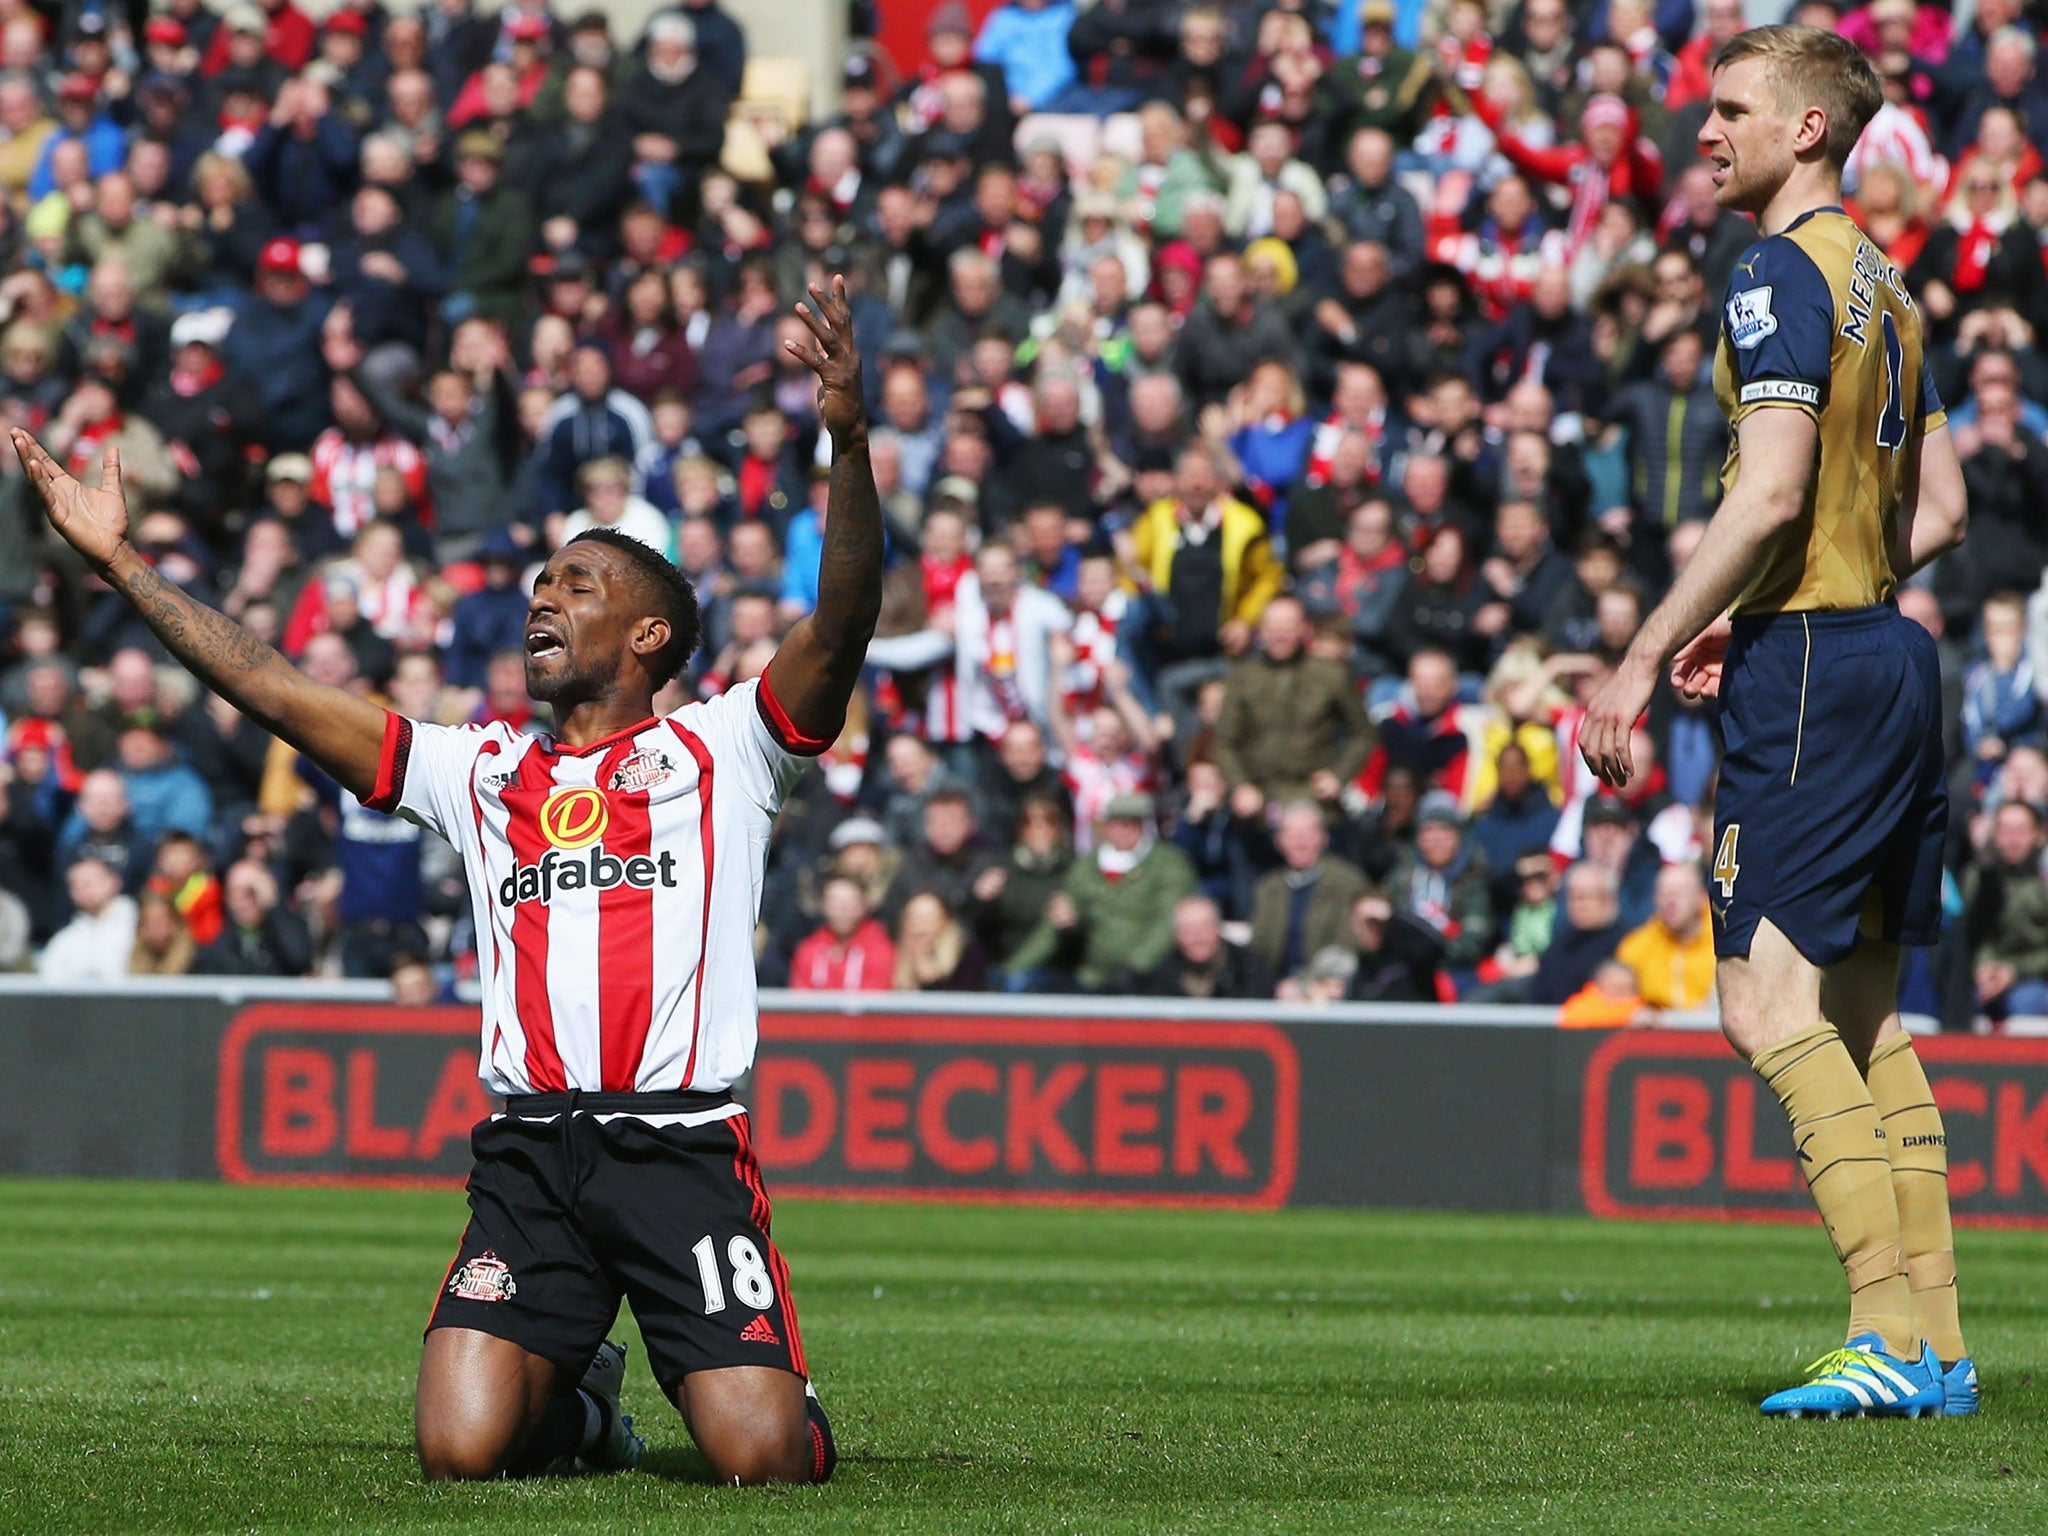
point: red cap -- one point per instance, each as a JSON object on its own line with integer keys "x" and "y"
{"x": 354, "y": 23}
{"x": 527, "y": 28}
{"x": 279, "y": 256}
{"x": 167, "y": 30}
{"x": 78, "y": 88}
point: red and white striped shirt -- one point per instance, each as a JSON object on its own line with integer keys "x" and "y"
{"x": 1094, "y": 637}
{"x": 1095, "y": 781}
{"x": 345, "y": 476}
{"x": 615, "y": 886}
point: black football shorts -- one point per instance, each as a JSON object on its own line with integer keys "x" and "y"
{"x": 1831, "y": 782}
{"x": 579, "y": 1200}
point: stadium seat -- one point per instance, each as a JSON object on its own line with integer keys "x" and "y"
{"x": 1078, "y": 135}
{"x": 1122, "y": 136}
{"x": 771, "y": 87}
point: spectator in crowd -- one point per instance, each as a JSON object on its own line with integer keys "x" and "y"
{"x": 1303, "y": 907}
{"x": 1612, "y": 837}
{"x": 1374, "y": 207}
{"x": 2006, "y": 914}
{"x": 260, "y": 937}
{"x": 101, "y": 826}
{"x": 850, "y": 952}
{"x": 996, "y": 661}
{"x": 1228, "y": 853}
{"x": 1208, "y": 565}
{"x": 934, "y": 952}
{"x": 1444, "y": 884}
{"x": 1519, "y": 817}
{"x": 1677, "y": 440}
{"x": 1588, "y": 932}
{"x": 860, "y": 850}
{"x": 492, "y": 618}
{"x": 1397, "y": 958}
{"x": 1423, "y": 732}
{"x": 2000, "y": 705}
{"x": 163, "y": 945}
{"x": 164, "y": 794}
{"x": 1010, "y": 898}
{"x": 95, "y": 945}
{"x": 1112, "y": 918}
{"x": 594, "y": 421}
{"x": 1229, "y": 331}
{"x": 1671, "y": 956}
{"x": 605, "y": 499}
{"x": 948, "y": 860}
{"x": 1292, "y": 722}
{"x": 1611, "y": 999}
{"x": 1022, "y": 772}
{"x": 1116, "y": 754}
{"x": 1202, "y": 963}
{"x": 1027, "y": 41}
{"x": 275, "y": 343}
{"x": 483, "y": 230}
{"x": 184, "y": 876}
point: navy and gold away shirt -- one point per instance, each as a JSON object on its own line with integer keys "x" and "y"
{"x": 1819, "y": 320}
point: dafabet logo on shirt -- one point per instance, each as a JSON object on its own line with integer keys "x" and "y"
{"x": 573, "y": 817}
{"x": 572, "y": 820}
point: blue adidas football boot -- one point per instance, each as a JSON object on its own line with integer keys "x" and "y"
{"x": 1959, "y": 1381}
{"x": 1864, "y": 1378}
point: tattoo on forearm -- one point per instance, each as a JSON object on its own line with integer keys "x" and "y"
{"x": 212, "y": 645}
{"x": 850, "y": 566}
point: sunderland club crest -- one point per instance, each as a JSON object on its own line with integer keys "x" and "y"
{"x": 643, "y": 770}
{"x": 484, "y": 1278}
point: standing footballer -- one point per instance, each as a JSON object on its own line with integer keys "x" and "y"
{"x": 1831, "y": 811}
{"x": 615, "y": 873}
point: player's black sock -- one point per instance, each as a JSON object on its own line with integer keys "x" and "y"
{"x": 573, "y": 1422}
{"x": 824, "y": 1456}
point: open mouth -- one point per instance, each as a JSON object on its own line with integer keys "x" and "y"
{"x": 542, "y": 645}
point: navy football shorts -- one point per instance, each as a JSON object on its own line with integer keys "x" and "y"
{"x": 1831, "y": 782}
{"x": 578, "y": 1201}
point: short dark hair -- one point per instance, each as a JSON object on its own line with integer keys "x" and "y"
{"x": 674, "y": 598}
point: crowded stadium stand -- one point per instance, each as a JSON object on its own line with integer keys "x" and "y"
{"x": 1285, "y": 413}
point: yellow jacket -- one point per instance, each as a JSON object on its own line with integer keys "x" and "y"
{"x": 1672, "y": 972}
{"x": 1251, "y": 576}
{"x": 1538, "y": 744}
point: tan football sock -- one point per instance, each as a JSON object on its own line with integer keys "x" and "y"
{"x": 1919, "y": 1156}
{"x": 1841, "y": 1145}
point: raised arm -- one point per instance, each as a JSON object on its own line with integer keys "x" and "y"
{"x": 818, "y": 665}
{"x": 340, "y": 732}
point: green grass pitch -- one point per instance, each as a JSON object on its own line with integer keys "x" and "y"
{"x": 198, "y": 1358}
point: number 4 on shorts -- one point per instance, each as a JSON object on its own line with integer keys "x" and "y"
{"x": 1725, "y": 867}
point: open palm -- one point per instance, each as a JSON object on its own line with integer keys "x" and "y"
{"x": 93, "y": 522}
{"x": 832, "y": 356}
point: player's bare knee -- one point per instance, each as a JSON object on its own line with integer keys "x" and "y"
{"x": 1744, "y": 1031}
{"x": 446, "y": 1458}
{"x": 761, "y": 1457}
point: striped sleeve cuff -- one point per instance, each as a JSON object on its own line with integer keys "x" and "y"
{"x": 781, "y": 727}
{"x": 391, "y": 763}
